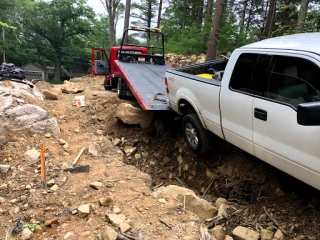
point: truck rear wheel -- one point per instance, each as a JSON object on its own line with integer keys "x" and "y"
{"x": 120, "y": 89}
{"x": 195, "y": 135}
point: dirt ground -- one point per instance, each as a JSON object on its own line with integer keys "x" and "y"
{"x": 247, "y": 183}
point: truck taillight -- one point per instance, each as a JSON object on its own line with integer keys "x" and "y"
{"x": 166, "y": 83}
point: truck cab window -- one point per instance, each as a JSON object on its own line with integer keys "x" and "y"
{"x": 293, "y": 81}
{"x": 243, "y": 71}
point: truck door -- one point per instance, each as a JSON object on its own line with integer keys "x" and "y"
{"x": 278, "y": 138}
{"x": 236, "y": 100}
{"x": 99, "y": 62}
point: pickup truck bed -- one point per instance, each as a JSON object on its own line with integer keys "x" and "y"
{"x": 146, "y": 82}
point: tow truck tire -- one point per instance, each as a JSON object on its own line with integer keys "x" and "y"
{"x": 106, "y": 87}
{"x": 195, "y": 135}
{"x": 120, "y": 89}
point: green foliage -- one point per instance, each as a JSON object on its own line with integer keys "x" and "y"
{"x": 32, "y": 227}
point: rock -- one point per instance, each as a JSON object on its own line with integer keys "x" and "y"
{"x": 64, "y": 166}
{"x": 67, "y": 235}
{"x": 116, "y": 209}
{"x": 62, "y": 141}
{"x": 124, "y": 227}
{"x": 51, "y": 183}
{"x": 26, "y": 234}
{"x": 14, "y": 201}
{"x": 99, "y": 132}
{"x": 129, "y": 150}
{"x": 109, "y": 234}
{"x": 137, "y": 156}
{"x": 106, "y": 201}
{"x": 52, "y": 93}
{"x": 266, "y": 234}
{"x": 32, "y": 155}
{"x": 220, "y": 201}
{"x": 116, "y": 219}
{"x": 218, "y": 232}
{"x": 48, "y": 125}
{"x": 278, "y": 235}
{"x": 3, "y": 186}
{"x": 2, "y": 200}
{"x": 222, "y": 211}
{"x": 228, "y": 238}
{"x": 16, "y": 210}
{"x": 263, "y": 217}
{"x": 96, "y": 185}
{"x": 92, "y": 150}
{"x": 71, "y": 87}
{"x": 51, "y": 222}
{"x": 200, "y": 207}
{"x": 116, "y": 141}
{"x": 83, "y": 210}
{"x": 4, "y": 168}
{"x": 28, "y": 187}
{"x": 54, "y": 187}
{"x": 47, "y": 135}
{"x": 133, "y": 116}
{"x": 242, "y": 233}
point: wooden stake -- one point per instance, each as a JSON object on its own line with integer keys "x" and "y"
{"x": 43, "y": 166}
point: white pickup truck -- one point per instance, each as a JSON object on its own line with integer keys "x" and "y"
{"x": 265, "y": 100}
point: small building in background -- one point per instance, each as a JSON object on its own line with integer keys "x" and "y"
{"x": 35, "y": 71}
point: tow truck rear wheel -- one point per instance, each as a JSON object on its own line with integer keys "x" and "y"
{"x": 120, "y": 89}
{"x": 194, "y": 133}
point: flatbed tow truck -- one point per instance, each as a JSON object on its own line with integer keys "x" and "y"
{"x": 135, "y": 70}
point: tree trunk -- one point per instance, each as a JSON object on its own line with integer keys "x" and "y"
{"x": 159, "y": 17}
{"x": 243, "y": 16}
{"x": 149, "y": 17}
{"x": 214, "y": 36}
{"x": 57, "y": 69}
{"x": 207, "y": 17}
{"x": 302, "y": 15}
{"x": 184, "y": 16}
{"x": 267, "y": 29}
{"x": 126, "y": 21}
{"x": 111, "y": 13}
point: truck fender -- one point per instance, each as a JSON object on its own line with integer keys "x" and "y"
{"x": 183, "y": 97}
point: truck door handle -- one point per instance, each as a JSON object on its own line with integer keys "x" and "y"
{"x": 260, "y": 114}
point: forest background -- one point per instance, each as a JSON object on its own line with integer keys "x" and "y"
{"x": 61, "y": 33}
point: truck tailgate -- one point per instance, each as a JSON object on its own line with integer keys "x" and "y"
{"x": 146, "y": 82}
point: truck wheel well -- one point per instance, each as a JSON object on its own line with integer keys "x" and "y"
{"x": 185, "y": 107}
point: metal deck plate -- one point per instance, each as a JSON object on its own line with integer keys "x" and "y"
{"x": 146, "y": 82}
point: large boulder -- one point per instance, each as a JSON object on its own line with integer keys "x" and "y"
{"x": 53, "y": 93}
{"x": 193, "y": 203}
{"x": 72, "y": 87}
{"x": 21, "y": 112}
{"x": 134, "y": 116}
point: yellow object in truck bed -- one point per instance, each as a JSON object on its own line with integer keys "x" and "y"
{"x": 205, "y": 75}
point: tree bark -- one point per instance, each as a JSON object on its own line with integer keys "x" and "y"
{"x": 184, "y": 16}
{"x": 111, "y": 8}
{"x": 267, "y": 29}
{"x": 57, "y": 67}
{"x": 214, "y": 36}
{"x": 302, "y": 15}
{"x": 159, "y": 17}
{"x": 207, "y": 17}
{"x": 243, "y": 16}
{"x": 126, "y": 21}
{"x": 149, "y": 17}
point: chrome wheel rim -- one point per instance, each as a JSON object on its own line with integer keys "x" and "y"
{"x": 192, "y": 135}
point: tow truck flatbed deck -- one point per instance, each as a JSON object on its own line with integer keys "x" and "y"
{"x": 146, "y": 82}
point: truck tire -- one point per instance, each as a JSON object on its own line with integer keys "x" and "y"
{"x": 195, "y": 135}
{"x": 106, "y": 87}
{"x": 120, "y": 89}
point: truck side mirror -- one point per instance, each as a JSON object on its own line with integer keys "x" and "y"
{"x": 308, "y": 114}
{"x": 101, "y": 67}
